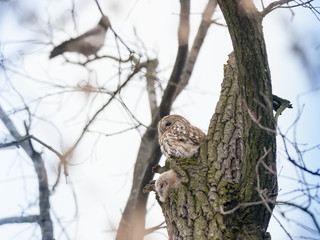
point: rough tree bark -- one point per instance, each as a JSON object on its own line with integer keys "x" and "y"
{"x": 228, "y": 190}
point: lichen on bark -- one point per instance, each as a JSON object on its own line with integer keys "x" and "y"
{"x": 218, "y": 177}
{"x": 225, "y": 192}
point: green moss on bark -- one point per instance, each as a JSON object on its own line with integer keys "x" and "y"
{"x": 223, "y": 174}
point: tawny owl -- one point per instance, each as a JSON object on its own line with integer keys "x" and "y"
{"x": 178, "y": 138}
{"x": 166, "y": 182}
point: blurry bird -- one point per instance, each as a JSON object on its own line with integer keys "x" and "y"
{"x": 278, "y": 102}
{"x": 88, "y": 43}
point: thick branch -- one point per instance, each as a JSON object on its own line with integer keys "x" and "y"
{"x": 45, "y": 221}
{"x": 245, "y": 28}
{"x": 22, "y": 219}
{"x": 14, "y": 143}
{"x": 183, "y": 40}
{"x": 150, "y": 75}
{"x": 197, "y": 44}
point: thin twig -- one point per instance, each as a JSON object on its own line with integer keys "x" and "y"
{"x": 267, "y": 200}
{"x": 316, "y": 173}
{"x": 248, "y": 204}
{"x": 304, "y": 210}
{"x": 115, "y": 34}
{"x": 155, "y": 228}
{"x": 257, "y": 121}
{"x": 279, "y": 4}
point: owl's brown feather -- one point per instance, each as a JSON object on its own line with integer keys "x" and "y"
{"x": 178, "y": 138}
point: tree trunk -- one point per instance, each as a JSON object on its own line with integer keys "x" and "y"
{"x": 228, "y": 191}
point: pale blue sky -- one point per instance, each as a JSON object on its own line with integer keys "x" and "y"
{"x": 102, "y": 176}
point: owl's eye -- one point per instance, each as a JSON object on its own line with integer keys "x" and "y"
{"x": 168, "y": 124}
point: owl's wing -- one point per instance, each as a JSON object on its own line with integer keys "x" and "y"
{"x": 196, "y": 135}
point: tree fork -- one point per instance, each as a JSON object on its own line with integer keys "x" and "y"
{"x": 226, "y": 192}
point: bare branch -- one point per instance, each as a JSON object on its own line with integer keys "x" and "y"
{"x": 133, "y": 218}
{"x": 257, "y": 120}
{"x": 115, "y": 34}
{"x": 304, "y": 210}
{"x": 61, "y": 157}
{"x": 274, "y": 5}
{"x": 197, "y": 44}
{"x": 183, "y": 40}
{"x": 21, "y": 219}
{"x": 316, "y": 173}
{"x": 279, "y": 4}
{"x": 214, "y": 21}
{"x": 155, "y": 228}
{"x": 248, "y": 204}
{"x": 113, "y": 95}
{"x": 149, "y": 151}
{"x": 14, "y": 143}
{"x": 151, "y": 67}
{"x": 89, "y": 60}
{"x": 116, "y": 133}
{"x": 44, "y": 205}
